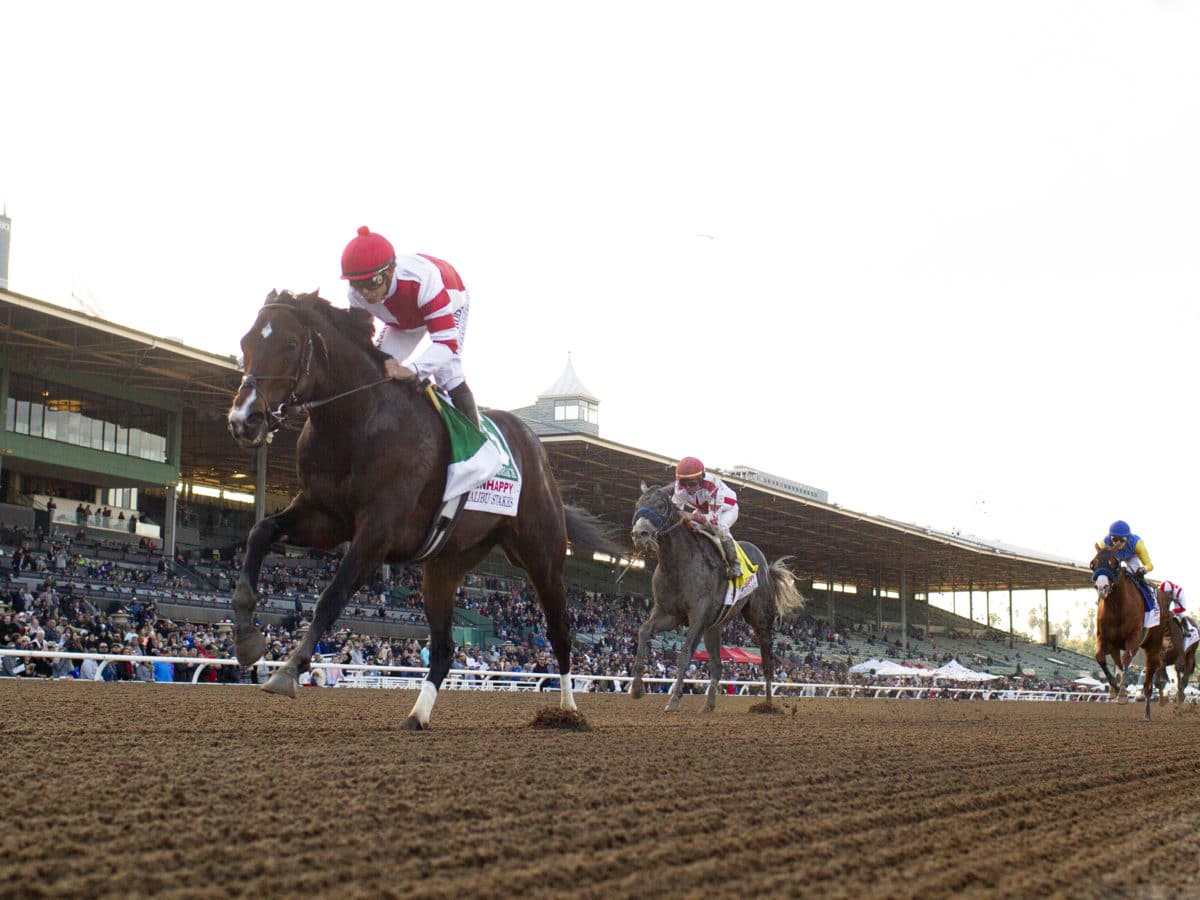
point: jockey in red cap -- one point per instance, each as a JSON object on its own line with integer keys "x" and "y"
{"x": 1174, "y": 594}
{"x": 413, "y": 296}
{"x": 708, "y": 504}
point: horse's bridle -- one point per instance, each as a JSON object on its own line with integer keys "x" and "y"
{"x": 658, "y": 520}
{"x": 1112, "y": 578}
{"x": 293, "y": 406}
{"x": 277, "y": 417}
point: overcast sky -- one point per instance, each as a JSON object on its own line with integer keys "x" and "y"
{"x": 940, "y": 259}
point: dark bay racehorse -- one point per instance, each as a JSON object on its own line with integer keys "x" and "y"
{"x": 1119, "y": 621}
{"x": 372, "y": 460}
{"x": 689, "y": 586}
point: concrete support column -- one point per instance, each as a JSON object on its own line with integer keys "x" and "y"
{"x": 903, "y": 610}
{"x": 879, "y": 600}
{"x": 829, "y": 595}
{"x": 3, "y": 410}
{"x": 1010, "y": 614}
{"x": 971, "y": 604}
{"x": 260, "y": 484}
{"x": 170, "y": 514}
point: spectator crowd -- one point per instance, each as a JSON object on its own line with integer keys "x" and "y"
{"x": 61, "y": 596}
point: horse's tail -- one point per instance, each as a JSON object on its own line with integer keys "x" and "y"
{"x": 788, "y": 598}
{"x": 586, "y": 530}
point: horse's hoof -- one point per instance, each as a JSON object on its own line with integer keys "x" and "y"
{"x": 637, "y": 692}
{"x": 251, "y": 649}
{"x": 412, "y": 723}
{"x": 1123, "y": 699}
{"x": 282, "y": 682}
{"x": 673, "y": 706}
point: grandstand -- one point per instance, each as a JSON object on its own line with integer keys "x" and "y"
{"x": 79, "y": 390}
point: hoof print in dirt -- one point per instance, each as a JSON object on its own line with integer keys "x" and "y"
{"x": 766, "y": 708}
{"x": 566, "y": 719}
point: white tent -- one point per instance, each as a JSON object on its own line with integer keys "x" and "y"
{"x": 866, "y": 667}
{"x": 1089, "y": 682}
{"x": 956, "y": 671}
{"x": 885, "y": 668}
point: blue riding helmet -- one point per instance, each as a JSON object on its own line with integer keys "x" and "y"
{"x": 1119, "y": 529}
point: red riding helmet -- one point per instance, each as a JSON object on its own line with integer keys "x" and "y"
{"x": 689, "y": 467}
{"x": 366, "y": 254}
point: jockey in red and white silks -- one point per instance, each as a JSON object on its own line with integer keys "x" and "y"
{"x": 708, "y": 503}
{"x": 1174, "y": 593}
{"x": 413, "y": 296}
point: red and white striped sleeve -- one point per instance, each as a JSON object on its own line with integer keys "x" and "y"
{"x": 725, "y": 505}
{"x": 438, "y": 280}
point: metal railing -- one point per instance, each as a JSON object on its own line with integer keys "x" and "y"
{"x": 368, "y": 675}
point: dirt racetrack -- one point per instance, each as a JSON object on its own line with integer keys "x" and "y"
{"x": 126, "y": 789}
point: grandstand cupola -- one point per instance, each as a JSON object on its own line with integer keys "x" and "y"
{"x": 565, "y": 406}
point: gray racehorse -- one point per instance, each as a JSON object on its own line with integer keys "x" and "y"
{"x": 689, "y": 586}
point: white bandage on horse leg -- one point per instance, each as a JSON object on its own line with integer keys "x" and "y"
{"x": 424, "y": 705}
{"x": 568, "y": 697}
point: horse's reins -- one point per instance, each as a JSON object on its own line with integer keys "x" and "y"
{"x": 658, "y": 521}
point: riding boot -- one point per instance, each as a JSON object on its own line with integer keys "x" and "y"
{"x": 733, "y": 566}
{"x": 464, "y": 402}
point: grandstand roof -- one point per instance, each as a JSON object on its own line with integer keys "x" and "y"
{"x": 602, "y": 476}
{"x": 822, "y": 538}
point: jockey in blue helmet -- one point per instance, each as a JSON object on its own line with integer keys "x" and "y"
{"x": 1128, "y": 548}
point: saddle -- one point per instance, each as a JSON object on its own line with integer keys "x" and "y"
{"x": 1149, "y": 596}
{"x": 736, "y": 588}
{"x": 470, "y": 455}
{"x": 748, "y": 568}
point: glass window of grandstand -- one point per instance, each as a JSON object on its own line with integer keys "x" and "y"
{"x": 86, "y": 419}
{"x": 574, "y": 410}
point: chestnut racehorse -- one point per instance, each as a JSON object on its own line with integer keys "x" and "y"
{"x": 1119, "y": 621}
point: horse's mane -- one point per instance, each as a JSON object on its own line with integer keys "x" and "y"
{"x": 357, "y": 325}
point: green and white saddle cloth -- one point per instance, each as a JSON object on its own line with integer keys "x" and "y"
{"x": 481, "y": 462}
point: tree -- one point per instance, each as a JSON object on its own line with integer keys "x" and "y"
{"x": 1036, "y": 620}
{"x": 1085, "y": 641}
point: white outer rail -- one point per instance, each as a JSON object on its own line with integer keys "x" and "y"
{"x": 376, "y": 676}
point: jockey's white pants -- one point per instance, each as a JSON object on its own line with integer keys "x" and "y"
{"x": 431, "y": 360}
